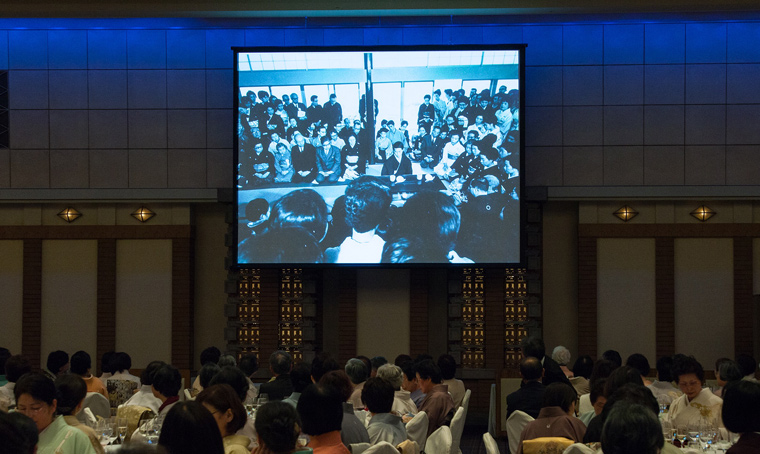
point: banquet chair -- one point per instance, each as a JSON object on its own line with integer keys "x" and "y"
{"x": 515, "y": 425}
{"x": 134, "y": 414}
{"x": 98, "y": 405}
{"x": 490, "y": 443}
{"x": 579, "y": 448}
{"x": 416, "y": 429}
{"x": 382, "y": 447}
{"x": 457, "y": 427}
{"x": 408, "y": 447}
{"x": 546, "y": 445}
{"x": 188, "y": 394}
{"x": 362, "y": 415}
{"x": 119, "y": 391}
{"x": 466, "y": 401}
{"x": 358, "y": 448}
{"x": 439, "y": 442}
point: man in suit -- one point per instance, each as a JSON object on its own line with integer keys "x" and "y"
{"x": 534, "y": 346}
{"x": 530, "y": 396}
{"x": 280, "y": 386}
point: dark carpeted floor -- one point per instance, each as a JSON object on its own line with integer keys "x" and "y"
{"x": 472, "y": 441}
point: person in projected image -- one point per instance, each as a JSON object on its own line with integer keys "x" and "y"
{"x": 426, "y": 106}
{"x": 353, "y": 164}
{"x": 328, "y": 162}
{"x": 366, "y": 206}
{"x": 314, "y": 113}
{"x": 398, "y": 164}
{"x": 383, "y": 145}
{"x": 332, "y": 112}
{"x": 451, "y": 152}
{"x": 439, "y": 105}
{"x": 299, "y": 108}
{"x": 283, "y": 164}
{"x": 425, "y": 230}
{"x": 396, "y": 135}
{"x": 304, "y": 159}
{"x": 261, "y": 168}
{"x": 481, "y": 216}
{"x": 273, "y": 123}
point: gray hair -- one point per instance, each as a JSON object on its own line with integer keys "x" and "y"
{"x": 561, "y": 355}
{"x": 280, "y": 362}
{"x": 227, "y": 360}
{"x": 392, "y": 374}
{"x": 356, "y": 370}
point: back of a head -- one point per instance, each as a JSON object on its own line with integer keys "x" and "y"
{"x": 227, "y": 360}
{"x": 631, "y": 429}
{"x": 56, "y": 360}
{"x": 320, "y": 409}
{"x": 561, "y": 355}
{"x": 640, "y": 363}
{"x": 121, "y": 362}
{"x": 559, "y": 395}
{"x": 189, "y": 428}
{"x": 531, "y": 368}
{"x": 300, "y": 376}
{"x": 614, "y": 357}
{"x": 533, "y": 346}
{"x": 233, "y": 377}
{"x": 602, "y": 369}
{"x": 665, "y": 369}
{"x": 146, "y": 376}
{"x": 632, "y": 394}
{"x": 18, "y": 433}
{"x": 249, "y": 364}
{"x": 428, "y": 369}
{"x": 741, "y": 401}
{"x": 105, "y": 362}
{"x": 280, "y": 362}
{"x": 15, "y": 367}
{"x": 303, "y": 208}
{"x": 621, "y": 376}
{"x": 207, "y": 373}
{"x": 322, "y": 363}
{"x": 747, "y": 363}
{"x": 401, "y": 359}
{"x": 210, "y": 355}
{"x": 583, "y": 367}
{"x": 377, "y": 395}
{"x": 338, "y": 380}
{"x": 730, "y": 371}
{"x": 36, "y": 385}
{"x": 378, "y": 361}
{"x": 80, "y": 363}
{"x": 70, "y": 390}
{"x": 367, "y": 202}
{"x": 167, "y": 381}
{"x": 356, "y": 370}
{"x": 392, "y": 374}
{"x": 448, "y": 366}
{"x": 277, "y": 426}
{"x": 433, "y": 216}
{"x": 222, "y": 398}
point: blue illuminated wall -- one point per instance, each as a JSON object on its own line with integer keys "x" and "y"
{"x": 147, "y": 103}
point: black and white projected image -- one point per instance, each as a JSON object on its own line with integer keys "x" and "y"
{"x": 370, "y": 157}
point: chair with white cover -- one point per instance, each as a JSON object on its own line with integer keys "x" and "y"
{"x": 408, "y": 447}
{"x": 457, "y": 427}
{"x": 382, "y": 447}
{"x": 188, "y": 394}
{"x": 439, "y": 442}
{"x": 466, "y": 401}
{"x": 515, "y": 425}
{"x": 491, "y": 446}
{"x": 579, "y": 448}
{"x": 416, "y": 429}
{"x": 363, "y": 416}
{"x": 358, "y": 448}
{"x": 98, "y": 405}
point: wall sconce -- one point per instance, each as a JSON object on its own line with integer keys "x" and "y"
{"x": 69, "y": 214}
{"x": 703, "y": 213}
{"x": 142, "y": 214}
{"x": 626, "y": 213}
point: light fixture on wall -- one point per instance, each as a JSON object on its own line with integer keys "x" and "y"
{"x": 69, "y": 214}
{"x": 142, "y": 214}
{"x": 703, "y": 213}
{"x": 626, "y": 213}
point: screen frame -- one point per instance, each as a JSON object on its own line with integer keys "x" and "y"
{"x": 520, "y": 47}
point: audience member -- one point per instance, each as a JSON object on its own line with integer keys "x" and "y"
{"x": 438, "y": 403}
{"x": 358, "y": 372}
{"x": 81, "y": 365}
{"x": 697, "y": 403}
{"x": 144, "y": 397}
{"x": 226, "y": 361}
{"x": 15, "y": 367}
{"x": 448, "y": 367}
{"x": 561, "y": 355}
{"x": 352, "y": 429}
{"x": 18, "y": 433}
{"x": 534, "y": 346}
{"x": 36, "y": 398}
{"x": 121, "y": 363}
{"x": 614, "y": 357}
{"x": 641, "y": 364}
{"x": 230, "y": 416}
{"x": 300, "y": 377}
{"x": 377, "y": 395}
{"x": 249, "y": 364}
{"x": 556, "y": 418}
{"x": 410, "y": 384}
{"x": 582, "y": 369}
{"x": 530, "y": 397}
{"x": 280, "y": 387}
{"x": 106, "y": 370}
{"x": 57, "y": 364}
{"x": 321, "y": 414}
{"x": 166, "y": 384}
{"x": 402, "y": 402}
{"x": 741, "y": 401}
{"x": 278, "y": 427}
{"x": 70, "y": 391}
{"x": 598, "y": 400}
{"x": 189, "y": 428}
{"x": 4, "y": 355}
{"x": 729, "y": 372}
{"x": 662, "y": 388}
{"x": 376, "y": 362}
{"x": 321, "y": 364}
{"x": 632, "y": 429}
{"x": 401, "y": 359}
{"x": 748, "y": 365}
{"x": 208, "y": 355}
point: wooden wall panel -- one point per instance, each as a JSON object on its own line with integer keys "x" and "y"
{"x": 347, "y": 315}
{"x": 269, "y": 315}
{"x": 30, "y": 321}
{"x": 494, "y": 317}
{"x": 587, "y": 297}
{"x": 106, "y": 332}
{"x": 183, "y": 310}
{"x": 418, "y": 311}
{"x": 665, "y": 299}
{"x": 743, "y": 312}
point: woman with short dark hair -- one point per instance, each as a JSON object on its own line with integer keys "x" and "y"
{"x": 71, "y": 390}
{"x": 741, "y": 401}
{"x": 278, "y": 426}
{"x": 230, "y": 416}
{"x": 189, "y": 428}
{"x": 632, "y": 429}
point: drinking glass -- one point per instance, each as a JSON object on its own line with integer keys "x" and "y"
{"x": 121, "y": 426}
{"x": 263, "y": 399}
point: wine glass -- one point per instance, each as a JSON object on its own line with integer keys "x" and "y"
{"x": 121, "y": 427}
{"x": 694, "y": 430}
{"x": 682, "y": 435}
{"x": 263, "y": 399}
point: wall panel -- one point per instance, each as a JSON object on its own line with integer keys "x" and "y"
{"x": 704, "y": 293}
{"x": 626, "y": 301}
{"x": 11, "y": 298}
{"x": 382, "y": 308}
{"x": 144, "y": 300}
{"x": 69, "y": 297}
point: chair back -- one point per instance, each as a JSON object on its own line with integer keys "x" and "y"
{"x": 439, "y": 442}
{"x": 382, "y": 447}
{"x": 515, "y": 425}
{"x": 491, "y": 446}
{"x": 546, "y": 445}
{"x": 466, "y": 401}
{"x": 119, "y": 391}
{"x": 134, "y": 414}
{"x": 188, "y": 394}
{"x": 408, "y": 447}
{"x": 416, "y": 429}
{"x": 579, "y": 448}
{"x": 98, "y": 405}
{"x": 361, "y": 415}
{"x": 457, "y": 427}
{"x": 358, "y": 448}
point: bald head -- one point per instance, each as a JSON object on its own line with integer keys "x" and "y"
{"x": 531, "y": 368}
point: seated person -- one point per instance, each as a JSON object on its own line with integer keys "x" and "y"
{"x": 451, "y": 152}
{"x": 70, "y": 391}
{"x": 598, "y": 400}
{"x": 358, "y": 373}
{"x": 438, "y": 403}
{"x": 354, "y": 164}
{"x": 190, "y": 428}
{"x": 81, "y": 363}
{"x": 167, "y": 382}
{"x": 300, "y": 376}
{"x": 328, "y": 162}
{"x": 15, "y": 367}
{"x": 230, "y": 416}
{"x": 351, "y": 429}
{"x": 448, "y": 367}
{"x": 556, "y": 418}
{"x": 283, "y": 164}
{"x": 696, "y": 403}
{"x": 663, "y": 388}
{"x": 377, "y": 395}
{"x": 641, "y": 364}
{"x": 402, "y": 400}
{"x": 398, "y": 163}
{"x": 280, "y": 364}
{"x": 261, "y": 164}
{"x": 632, "y": 429}
{"x": 741, "y": 402}
{"x": 366, "y": 204}
{"x": 321, "y": 412}
{"x": 144, "y": 397}
{"x": 383, "y": 145}
{"x": 530, "y": 397}
{"x": 278, "y": 427}
{"x": 304, "y": 159}
{"x": 18, "y": 432}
